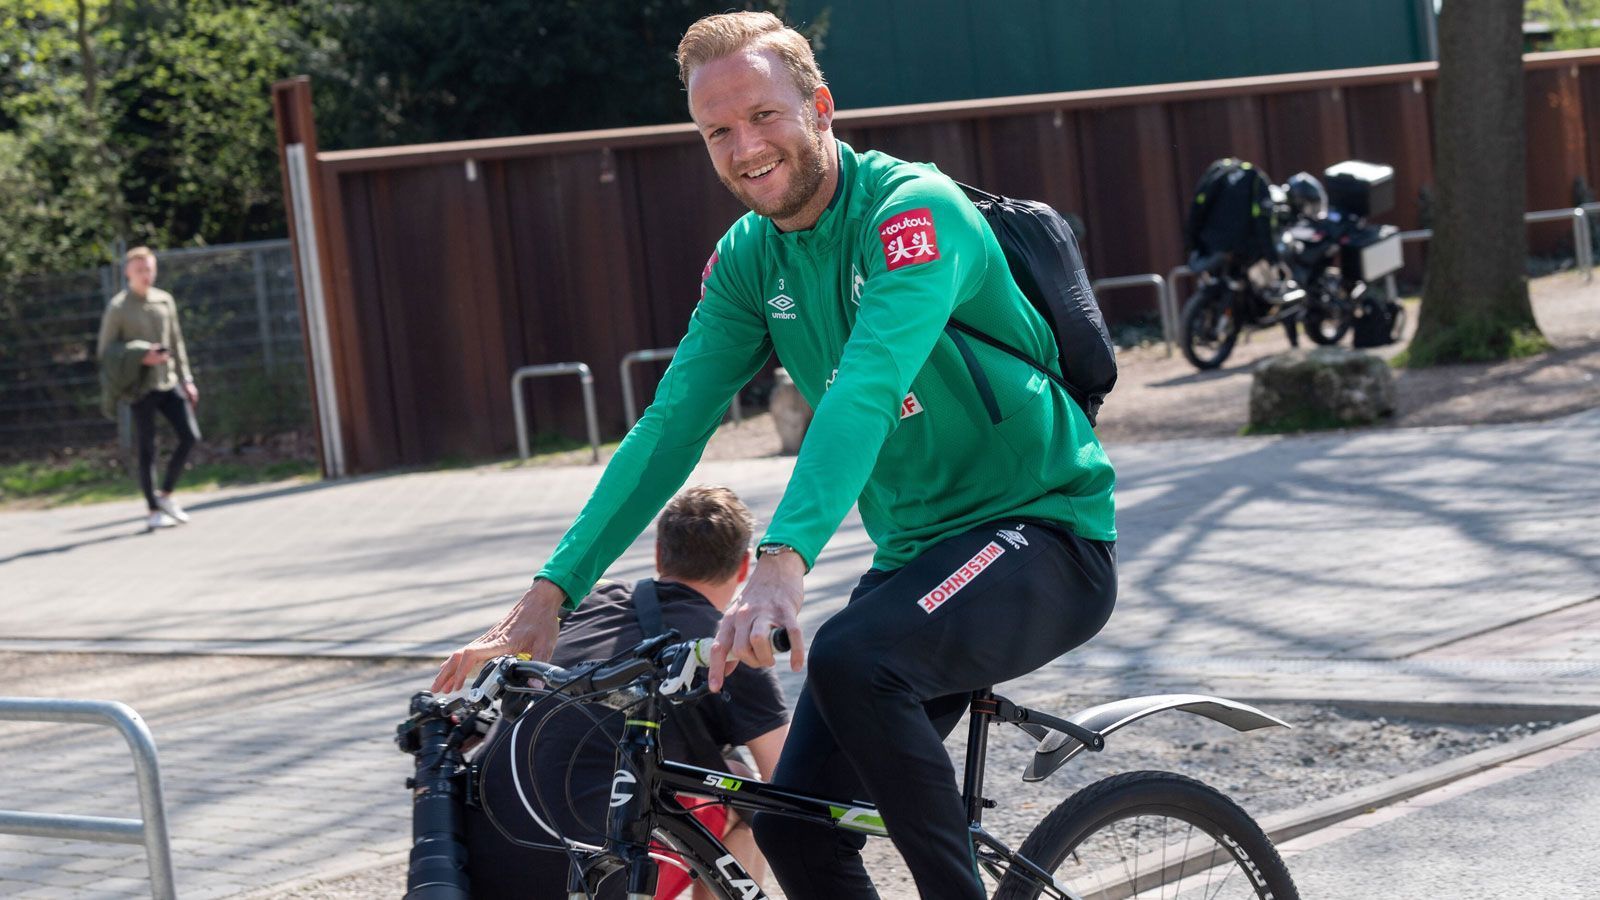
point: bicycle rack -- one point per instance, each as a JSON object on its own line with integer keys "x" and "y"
{"x": 151, "y": 830}
{"x": 517, "y": 403}
{"x": 1582, "y": 233}
{"x": 630, "y": 406}
{"x": 1169, "y": 316}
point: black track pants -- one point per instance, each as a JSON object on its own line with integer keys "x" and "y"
{"x": 888, "y": 677}
{"x": 172, "y": 407}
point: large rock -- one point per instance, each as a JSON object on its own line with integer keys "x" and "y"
{"x": 1326, "y": 387}
{"x": 790, "y": 413}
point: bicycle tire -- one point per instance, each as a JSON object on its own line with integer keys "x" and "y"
{"x": 1095, "y": 810}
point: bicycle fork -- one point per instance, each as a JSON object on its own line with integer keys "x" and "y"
{"x": 629, "y": 821}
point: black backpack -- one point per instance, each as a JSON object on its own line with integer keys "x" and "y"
{"x": 1045, "y": 262}
{"x": 1231, "y": 212}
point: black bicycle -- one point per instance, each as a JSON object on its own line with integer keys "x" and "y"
{"x": 1139, "y": 834}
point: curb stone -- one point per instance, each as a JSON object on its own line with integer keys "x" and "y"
{"x": 1293, "y": 823}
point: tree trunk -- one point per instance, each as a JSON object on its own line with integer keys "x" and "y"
{"x": 1475, "y": 305}
{"x": 116, "y": 203}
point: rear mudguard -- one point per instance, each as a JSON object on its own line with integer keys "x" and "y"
{"x": 1055, "y": 747}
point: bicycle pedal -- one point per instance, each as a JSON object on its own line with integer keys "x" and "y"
{"x": 989, "y": 804}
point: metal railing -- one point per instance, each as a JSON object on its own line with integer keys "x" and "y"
{"x": 150, "y": 830}
{"x": 630, "y": 406}
{"x": 1164, "y": 301}
{"x": 571, "y": 368}
{"x": 1582, "y": 232}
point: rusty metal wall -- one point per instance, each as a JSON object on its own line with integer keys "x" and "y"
{"x": 451, "y": 265}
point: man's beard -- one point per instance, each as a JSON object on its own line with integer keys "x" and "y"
{"x": 810, "y": 169}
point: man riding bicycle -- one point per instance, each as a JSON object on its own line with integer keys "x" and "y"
{"x": 979, "y": 480}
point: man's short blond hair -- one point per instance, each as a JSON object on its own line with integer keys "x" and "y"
{"x": 725, "y": 34}
{"x": 139, "y": 253}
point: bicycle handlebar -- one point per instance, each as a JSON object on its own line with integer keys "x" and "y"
{"x": 675, "y": 662}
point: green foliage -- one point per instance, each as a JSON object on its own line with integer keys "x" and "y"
{"x": 150, "y": 121}
{"x": 196, "y": 127}
{"x": 1575, "y": 24}
{"x": 1302, "y": 420}
{"x": 97, "y": 479}
{"x": 1476, "y": 339}
{"x": 407, "y": 71}
{"x": 250, "y": 402}
{"x": 145, "y": 120}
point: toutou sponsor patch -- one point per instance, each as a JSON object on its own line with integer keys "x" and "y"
{"x": 909, "y": 238}
{"x": 961, "y": 577}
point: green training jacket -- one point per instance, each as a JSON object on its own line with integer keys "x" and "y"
{"x": 929, "y": 432}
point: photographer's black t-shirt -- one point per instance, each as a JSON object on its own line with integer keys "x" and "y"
{"x": 552, "y": 767}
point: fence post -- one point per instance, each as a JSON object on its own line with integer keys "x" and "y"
{"x": 263, "y": 314}
{"x": 587, "y": 380}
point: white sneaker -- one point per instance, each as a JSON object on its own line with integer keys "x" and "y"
{"x": 171, "y": 508}
{"x": 159, "y": 519}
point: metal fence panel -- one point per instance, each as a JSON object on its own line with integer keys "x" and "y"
{"x": 241, "y": 325}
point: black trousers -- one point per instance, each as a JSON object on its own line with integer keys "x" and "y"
{"x": 888, "y": 678}
{"x": 174, "y": 408}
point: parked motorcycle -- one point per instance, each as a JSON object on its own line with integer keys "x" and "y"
{"x": 1296, "y": 255}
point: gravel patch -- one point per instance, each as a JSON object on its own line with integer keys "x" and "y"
{"x": 1331, "y": 749}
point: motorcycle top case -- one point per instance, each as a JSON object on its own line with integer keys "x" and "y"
{"x": 1360, "y": 188}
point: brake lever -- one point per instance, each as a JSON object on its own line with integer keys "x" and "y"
{"x": 687, "y": 663}
{"x": 703, "y": 690}
{"x": 490, "y": 683}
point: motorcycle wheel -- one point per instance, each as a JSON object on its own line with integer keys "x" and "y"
{"x": 1328, "y": 323}
{"x": 1208, "y": 328}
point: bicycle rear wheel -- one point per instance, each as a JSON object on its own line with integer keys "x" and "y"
{"x": 1148, "y": 835}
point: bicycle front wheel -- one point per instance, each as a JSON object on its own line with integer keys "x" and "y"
{"x": 1148, "y": 835}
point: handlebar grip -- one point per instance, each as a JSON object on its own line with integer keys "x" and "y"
{"x": 780, "y": 640}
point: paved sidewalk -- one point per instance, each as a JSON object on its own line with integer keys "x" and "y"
{"x": 1401, "y": 566}
{"x": 1526, "y": 830}
{"x": 1372, "y": 545}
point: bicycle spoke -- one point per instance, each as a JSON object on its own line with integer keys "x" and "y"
{"x": 1185, "y": 857}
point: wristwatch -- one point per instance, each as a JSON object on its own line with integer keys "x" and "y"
{"x": 778, "y": 550}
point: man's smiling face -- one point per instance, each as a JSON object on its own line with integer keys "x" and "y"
{"x": 768, "y": 143}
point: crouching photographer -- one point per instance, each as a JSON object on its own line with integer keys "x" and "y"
{"x": 500, "y": 810}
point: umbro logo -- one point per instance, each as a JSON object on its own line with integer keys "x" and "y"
{"x": 1014, "y": 538}
{"x": 782, "y": 305}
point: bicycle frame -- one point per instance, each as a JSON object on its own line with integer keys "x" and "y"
{"x": 644, "y": 803}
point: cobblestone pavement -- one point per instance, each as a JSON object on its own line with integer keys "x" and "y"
{"x": 1378, "y": 565}
{"x": 271, "y": 767}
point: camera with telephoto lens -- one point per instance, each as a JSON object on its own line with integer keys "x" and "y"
{"x": 436, "y": 734}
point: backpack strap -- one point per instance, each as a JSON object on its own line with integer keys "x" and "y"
{"x": 1073, "y": 392}
{"x": 690, "y": 722}
{"x": 979, "y": 192}
{"x": 647, "y": 607}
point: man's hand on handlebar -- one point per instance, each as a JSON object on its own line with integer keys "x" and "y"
{"x": 771, "y": 600}
{"x": 531, "y": 627}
